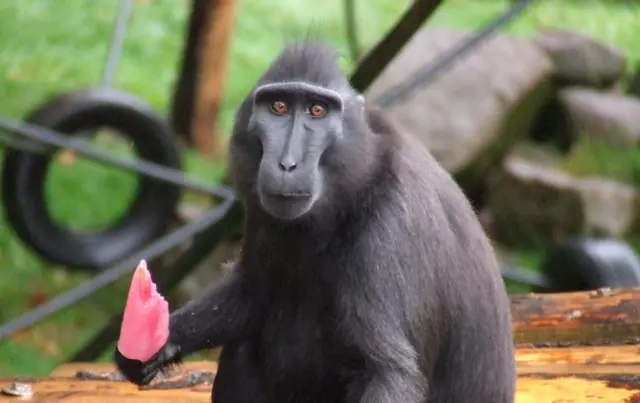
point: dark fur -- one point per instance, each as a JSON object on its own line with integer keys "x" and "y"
{"x": 387, "y": 291}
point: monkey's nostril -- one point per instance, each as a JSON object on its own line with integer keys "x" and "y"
{"x": 287, "y": 165}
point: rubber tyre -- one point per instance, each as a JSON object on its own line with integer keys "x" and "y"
{"x": 584, "y": 264}
{"x": 24, "y": 175}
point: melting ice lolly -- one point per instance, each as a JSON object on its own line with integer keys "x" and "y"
{"x": 145, "y": 323}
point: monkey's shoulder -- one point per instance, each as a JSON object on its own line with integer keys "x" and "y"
{"x": 423, "y": 218}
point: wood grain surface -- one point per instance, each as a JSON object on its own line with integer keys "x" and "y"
{"x": 571, "y": 348}
{"x": 600, "y": 317}
{"x": 545, "y": 375}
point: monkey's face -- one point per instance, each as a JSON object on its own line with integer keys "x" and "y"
{"x": 295, "y": 123}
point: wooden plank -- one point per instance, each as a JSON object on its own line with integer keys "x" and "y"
{"x": 70, "y": 391}
{"x": 578, "y": 374}
{"x": 530, "y": 390}
{"x": 549, "y": 375}
{"x": 572, "y": 390}
{"x": 211, "y": 77}
{"x": 588, "y": 356}
{"x": 607, "y": 362}
{"x": 602, "y": 316}
{"x": 571, "y": 374}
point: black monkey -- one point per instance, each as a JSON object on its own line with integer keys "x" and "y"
{"x": 365, "y": 276}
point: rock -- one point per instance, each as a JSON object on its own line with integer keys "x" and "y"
{"x": 607, "y": 116}
{"x": 633, "y": 88}
{"x": 610, "y": 206}
{"x": 580, "y": 60}
{"x": 535, "y": 204}
{"x": 552, "y": 126}
{"x": 541, "y": 155}
{"x": 636, "y": 224}
{"x": 469, "y": 116}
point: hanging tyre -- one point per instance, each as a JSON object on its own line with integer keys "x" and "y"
{"x": 24, "y": 176}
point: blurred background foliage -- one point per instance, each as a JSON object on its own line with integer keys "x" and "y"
{"x": 48, "y": 47}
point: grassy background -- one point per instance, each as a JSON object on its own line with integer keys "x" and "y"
{"x": 49, "y": 47}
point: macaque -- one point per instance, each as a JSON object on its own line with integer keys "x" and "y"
{"x": 364, "y": 277}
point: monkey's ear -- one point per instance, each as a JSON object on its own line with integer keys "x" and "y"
{"x": 251, "y": 123}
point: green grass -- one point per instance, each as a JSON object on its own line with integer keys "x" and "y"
{"x": 592, "y": 157}
{"x": 50, "y": 47}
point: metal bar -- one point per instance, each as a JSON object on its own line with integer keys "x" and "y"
{"x": 375, "y": 61}
{"x": 351, "y": 29}
{"x": 207, "y": 223}
{"x": 112, "y": 274}
{"x": 21, "y": 144}
{"x": 47, "y": 136}
{"x": 418, "y": 80}
{"x": 168, "y": 279}
{"x": 366, "y": 73}
{"x": 116, "y": 43}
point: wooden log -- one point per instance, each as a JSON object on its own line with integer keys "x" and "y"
{"x": 597, "y": 317}
{"x": 569, "y": 374}
{"x": 550, "y": 375}
{"x": 185, "y": 87}
{"x": 200, "y": 87}
{"x": 211, "y": 78}
{"x": 528, "y": 357}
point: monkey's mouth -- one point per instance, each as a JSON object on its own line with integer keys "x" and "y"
{"x": 290, "y": 196}
{"x": 287, "y": 205}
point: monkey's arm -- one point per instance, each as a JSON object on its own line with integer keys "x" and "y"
{"x": 392, "y": 367}
{"x": 227, "y": 312}
{"x": 375, "y": 322}
{"x": 394, "y": 385}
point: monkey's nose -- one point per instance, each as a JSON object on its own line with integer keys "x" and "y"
{"x": 287, "y": 164}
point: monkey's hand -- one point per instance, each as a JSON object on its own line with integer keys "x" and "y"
{"x": 141, "y": 373}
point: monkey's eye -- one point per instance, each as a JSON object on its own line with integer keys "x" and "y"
{"x": 317, "y": 110}
{"x": 279, "y": 107}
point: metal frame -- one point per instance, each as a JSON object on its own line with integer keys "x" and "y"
{"x": 227, "y": 219}
{"x": 207, "y": 230}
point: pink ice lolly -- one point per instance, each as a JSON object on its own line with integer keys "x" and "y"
{"x": 145, "y": 323}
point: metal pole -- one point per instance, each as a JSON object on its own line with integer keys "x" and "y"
{"x": 116, "y": 43}
{"x": 44, "y": 135}
{"x": 112, "y": 274}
